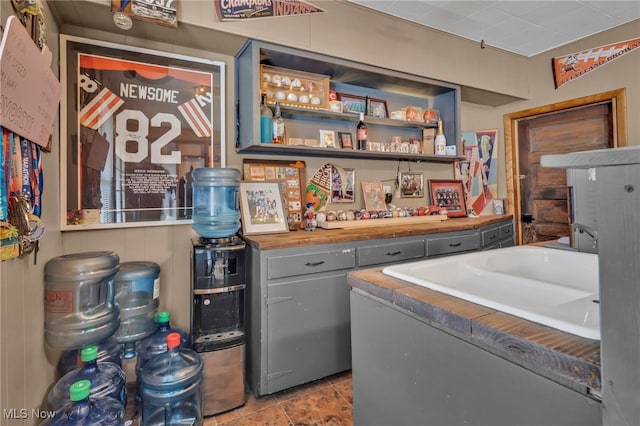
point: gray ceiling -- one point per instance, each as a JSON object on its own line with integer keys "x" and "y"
{"x": 523, "y": 27}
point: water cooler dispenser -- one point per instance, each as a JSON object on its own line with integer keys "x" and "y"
{"x": 218, "y": 288}
{"x": 217, "y": 320}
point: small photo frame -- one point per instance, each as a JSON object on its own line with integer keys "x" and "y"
{"x": 450, "y": 195}
{"x": 328, "y": 138}
{"x": 373, "y": 195}
{"x": 261, "y": 208}
{"x": 342, "y": 185}
{"x": 377, "y": 108}
{"x": 411, "y": 184}
{"x": 353, "y": 104}
{"x": 346, "y": 140}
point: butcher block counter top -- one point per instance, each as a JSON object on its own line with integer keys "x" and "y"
{"x": 562, "y": 357}
{"x": 378, "y": 229}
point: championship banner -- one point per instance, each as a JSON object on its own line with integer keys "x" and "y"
{"x": 235, "y": 10}
{"x": 162, "y": 12}
{"x": 574, "y": 65}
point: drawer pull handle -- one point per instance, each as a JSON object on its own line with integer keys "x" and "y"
{"x": 492, "y": 237}
{"x": 314, "y": 263}
{"x": 394, "y": 253}
{"x": 454, "y": 244}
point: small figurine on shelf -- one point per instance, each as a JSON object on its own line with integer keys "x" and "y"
{"x": 309, "y": 222}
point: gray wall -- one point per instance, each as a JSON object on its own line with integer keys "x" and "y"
{"x": 27, "y": 366}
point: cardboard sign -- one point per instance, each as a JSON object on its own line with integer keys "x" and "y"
{"x": 234, "y": 10}
{"x": 574, "y": 65}
{"x": 29, "y": 91}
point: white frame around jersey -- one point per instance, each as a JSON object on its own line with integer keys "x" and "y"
{"x": 113, "y": 211}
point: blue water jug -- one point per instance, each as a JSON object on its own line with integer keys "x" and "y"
{"x": 171, "y": 386}
{"x": 108, "y": 351}
{"x": 83, "y": 410}
{"x": 157, "y": 344}
{"x": 79, "y": 299}
{"x": 216, "y": 211}
{"x": 107, "y": 379}
{"x": 137, "y": 288}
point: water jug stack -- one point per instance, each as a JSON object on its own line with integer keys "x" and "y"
{"x": 171, "y": 386}
{"x": 215, "y": 202}
{"x": 80, "y": 309}
{"x": 156, "y": 344}
{"x": 106, "y": 379}
{"x": 84, "y": 409}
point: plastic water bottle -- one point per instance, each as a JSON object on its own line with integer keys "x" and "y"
{"x": 171, "y": 386}
{"x": 108, "y": 351}
{"x": 156, "y": 344}
{"x": 107, "y": 379}
{"x": 216, "y": 211}
{"x": 83, "y": 410}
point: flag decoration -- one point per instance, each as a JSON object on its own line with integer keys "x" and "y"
{"x": 574, "y": 65}
{"x": 198, "y": 121}
{"x": 96, "y": 112}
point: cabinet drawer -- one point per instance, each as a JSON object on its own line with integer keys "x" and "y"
{"x": 374, "y": 255}
{"x": 453, "y": 244}
{"x": 310, "y": 263}
{"x": 506, "y": 231}
{"x": 490, "y": 236}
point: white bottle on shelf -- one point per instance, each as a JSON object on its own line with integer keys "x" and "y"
{"x": 440, "y": 142}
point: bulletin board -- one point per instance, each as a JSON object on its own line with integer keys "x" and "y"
{"x": 289, "y": 174}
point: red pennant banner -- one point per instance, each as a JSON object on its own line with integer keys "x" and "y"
{"x": 234, "y": 10}
{"x": 574, "y": 65}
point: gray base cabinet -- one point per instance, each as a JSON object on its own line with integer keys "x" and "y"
{"x": 298, "y": 316}
{"x": 407, "y": 372}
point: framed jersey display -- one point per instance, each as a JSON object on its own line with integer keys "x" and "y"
{"x": 135, "y": 123}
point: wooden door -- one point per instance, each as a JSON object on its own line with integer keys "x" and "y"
{"x": 543, "y": 190}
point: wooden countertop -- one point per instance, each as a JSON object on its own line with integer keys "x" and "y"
{"x": 376, "y": 231}
{"x": 565, "y": 358}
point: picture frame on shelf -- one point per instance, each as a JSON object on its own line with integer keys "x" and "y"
{"x": 290, "y": 174}
{"x": 327, "y": 138}
{"x": 346, "y": 140}
{"x": 353, "y": 104}
{"x": 411, "y": 184}
{"x": 373, "y": 195}
{"x": 343, "y": 185}
{"x": 261, "y": 208}
{"x": 377, "y": 108}
{"x": 450, "y": 195}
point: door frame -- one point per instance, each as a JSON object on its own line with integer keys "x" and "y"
{"x": 618, "y": 99}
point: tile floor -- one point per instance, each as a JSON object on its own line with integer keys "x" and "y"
{"x": 326, "y": 401}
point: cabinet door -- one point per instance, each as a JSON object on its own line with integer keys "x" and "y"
{"x": 308, "y": 329}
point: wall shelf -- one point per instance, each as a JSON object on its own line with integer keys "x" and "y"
{"x": 396, "y": 88}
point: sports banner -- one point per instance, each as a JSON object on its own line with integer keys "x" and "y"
{"x": 574, "y": 65}
{"x": 235, "y": 10}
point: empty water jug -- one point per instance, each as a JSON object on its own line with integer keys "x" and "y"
{"x": 108, "y": 351}
{"x": 156, "y": 344}
{"x": 107, "y": 379}
{"x": 137, "y": 287}
{"x": 215, "y": 202}
{"x": 83, "y": 409}
{"x": 80, "y": 308}
{"x": 170, "y": 386}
